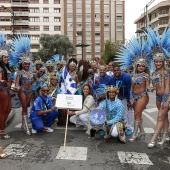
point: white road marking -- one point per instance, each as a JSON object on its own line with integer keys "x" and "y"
{"x": 72, "y": 153}
{"x": 17, "y": 150}
{"x": 151, "y": 110}
{"x": 20, "y": 124}
{"x": 149, "y": 117}
{"x": 134, "y": 158}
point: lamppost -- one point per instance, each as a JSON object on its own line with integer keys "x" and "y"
{"x": 82, "y": 44}
{"x": 12, "y": 12}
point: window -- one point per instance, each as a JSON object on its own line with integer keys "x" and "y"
{"x": 56, "y": 10}
{"x": 97, "y": 24}
{"x": 69, "y": 16}
{"x": 35, "y": 37}
{"x": 45, "y": 2}
{"x": 34, "y": 19}
{"x": 46, "y": 19}
{"x": 97, "y": 15}
{"x": 45, "y": 10}
{"x": 46, "y": 28}
{"x": 56, "y": 1}
{"x": 119, "y": 17}
{"x": 79, "y": 16}
{"x": 106, "y": 25}
{"x": 34, "y": 28}
{"x": 56, "y": 19}
{"x": 69, "y": 24}
{"x": 56, "y": 28}
{"x": 34, "y": 10}
{"x": 34, "y": 1}
{"x": 97, "y": 33}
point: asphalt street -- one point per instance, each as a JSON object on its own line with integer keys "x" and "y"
{"x": 45, "y": 150}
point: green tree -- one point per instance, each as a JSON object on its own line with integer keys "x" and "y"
{"x": 54, "y": 44}
{"x": 110, "y": 51}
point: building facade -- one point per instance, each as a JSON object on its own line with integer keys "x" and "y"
{"x": 87, "y": 23}
{"x": 157, "y": 16}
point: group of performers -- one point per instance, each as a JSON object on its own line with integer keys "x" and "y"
{"x": 106, "y": 93}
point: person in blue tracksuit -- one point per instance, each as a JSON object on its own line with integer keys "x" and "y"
{"x": 43, "y": 110}
{"x": 123, "y": 81}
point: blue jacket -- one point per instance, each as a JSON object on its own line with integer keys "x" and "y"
{"x": 125, "y": 85}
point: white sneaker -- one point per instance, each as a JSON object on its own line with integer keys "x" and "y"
{"x": 33, "y": 131}
{"x": 48, "y": 129}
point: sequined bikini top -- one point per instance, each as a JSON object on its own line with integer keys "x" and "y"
{"x": 139, "y": 78}
{"x": 26, "y": 76}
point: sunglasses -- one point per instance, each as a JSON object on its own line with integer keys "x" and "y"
{"x": 45, "y": 90}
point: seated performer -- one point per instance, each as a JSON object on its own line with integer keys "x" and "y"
{"x": 115, "y": 114}
{"x": 81, "y": 117}
{"x": 43, "y": 110}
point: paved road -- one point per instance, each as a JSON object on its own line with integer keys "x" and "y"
{"x": 45, "y": 150}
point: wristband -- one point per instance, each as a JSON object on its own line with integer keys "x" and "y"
{"x": 148, "y": 89}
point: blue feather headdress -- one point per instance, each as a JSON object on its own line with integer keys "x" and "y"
{"x": 135, "y": 52}
{"x": 4, "y": 48}
{"x": 160, "y": 45}
{"x": 21, "y": 46}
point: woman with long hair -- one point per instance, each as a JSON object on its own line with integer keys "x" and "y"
{"x": 24, "y": 81}
{"x": 81, "y": 117}
{"x": 5, "y": 85}
{"x": 137, "y": 53}
{"x": 5, "y": 98}
{"x": 160, "y": 80}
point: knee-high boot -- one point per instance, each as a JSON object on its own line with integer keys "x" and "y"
{"x": 135, "y": 131}
{"x": 142, "y": 132}
{"x": 25, "y": 125}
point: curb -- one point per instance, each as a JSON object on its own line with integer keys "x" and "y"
{"x": 10, "y": 118}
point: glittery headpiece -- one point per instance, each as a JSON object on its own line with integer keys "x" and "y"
{"x": 113, "y": 89}
{"x": 59, "y": 62}
{"x": 160, "y": 45}
{"x": 54, "y": 77}
{"x": 136, "y": 52}
{"x": 38, "y": 62}
{"x": 21, "y": 46}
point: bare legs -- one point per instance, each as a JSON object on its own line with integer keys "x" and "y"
{"x": 139, "y": 106}
{"x": 25, "y": 100}
{"x": 162, "y": 123}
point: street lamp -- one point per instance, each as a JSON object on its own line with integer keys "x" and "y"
{"x": 82, "y": 45}
{"x": 12, "y": 12}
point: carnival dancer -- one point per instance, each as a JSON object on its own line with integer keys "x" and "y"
{"x": 5, "y": 85}
{"x": 137, "y": 54}
{"x": 43, "y": 110}
{"x": 21, "y": 54}
{"x": 81, "y": 117}
{"x": 72, "y": 63}
{"x": 160, "y": 81}
{"x": 124, "y": 84}
{"x": 114, "y": 114}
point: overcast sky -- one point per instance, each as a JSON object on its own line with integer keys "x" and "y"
{"x": 133, "y": 9}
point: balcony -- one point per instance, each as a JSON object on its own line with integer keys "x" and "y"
{"x": 19, "y": 4}
{"x": 21, "y": 22}
{"x": 21, "y": 13}
{"x": 21, "y": 31}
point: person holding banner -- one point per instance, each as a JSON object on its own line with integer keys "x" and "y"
{"x": 81, "y": 117}
{"x": 114, "y": 125}
{"x": 43, "y": 110}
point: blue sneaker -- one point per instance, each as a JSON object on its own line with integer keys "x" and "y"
{"x": 103, "y": 133}
{"x": 128, "y": 132}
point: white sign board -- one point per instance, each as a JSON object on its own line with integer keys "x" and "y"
{"x": 66, "y": 101}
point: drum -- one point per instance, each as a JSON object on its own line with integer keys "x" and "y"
{"x": 97, "y": 119}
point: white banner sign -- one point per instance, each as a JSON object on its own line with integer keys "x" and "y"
{"x": 66, "y": 101}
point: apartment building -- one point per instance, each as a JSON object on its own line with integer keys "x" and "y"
{"x": 88, "y": 23}
{"x": 157, "y": 16}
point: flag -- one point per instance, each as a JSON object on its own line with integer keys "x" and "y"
{"x": 68, "y": 85}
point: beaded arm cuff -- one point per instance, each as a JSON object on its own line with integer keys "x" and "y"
{"x": 164, "y": 99}
{"x": 148, "y": 89}
{"x": 17, "y": 87}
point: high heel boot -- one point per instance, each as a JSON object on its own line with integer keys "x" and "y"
{"x": 25, "y": 125}
{"x": 135, "y": 131}
{"x": 152, "y": 144}
{"x": 142, "y": 132}
{"x": 164, "y": 138}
